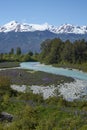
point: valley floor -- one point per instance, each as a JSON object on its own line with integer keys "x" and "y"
{"x": 30, "y": 111}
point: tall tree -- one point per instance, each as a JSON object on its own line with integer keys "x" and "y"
{"x": 80, "y": 49}
{"x": 12, "y": 51}
{"x": 67, "y": 53}
{"x": 18, "y": 51}
{"x": 30, "y": 53}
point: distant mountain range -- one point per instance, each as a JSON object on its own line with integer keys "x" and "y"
{"x": 25, "y": 27}
{"x": 30, "y": 36}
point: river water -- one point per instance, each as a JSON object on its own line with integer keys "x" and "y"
{"x": 54, "y": 70}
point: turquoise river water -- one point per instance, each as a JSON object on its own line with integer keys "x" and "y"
{"x": 50, "y": 69}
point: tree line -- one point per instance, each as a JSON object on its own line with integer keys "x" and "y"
{"x": 57, "y": 51}
{"x": 17, "y": 55}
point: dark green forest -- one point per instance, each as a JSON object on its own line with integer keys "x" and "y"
{"x": 62, "y": 53}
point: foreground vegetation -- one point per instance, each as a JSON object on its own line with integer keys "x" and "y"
{"x": 31, "y": 112}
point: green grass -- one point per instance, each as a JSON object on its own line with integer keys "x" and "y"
{"x": 50, "y": 114}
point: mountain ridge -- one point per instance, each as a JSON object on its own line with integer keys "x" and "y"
{"x": 30, "y": 36}
{"x": 25, "y": 27}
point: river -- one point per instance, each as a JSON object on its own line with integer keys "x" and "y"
{"x": 70, "y": 91}
{"x": 76, "y": 74}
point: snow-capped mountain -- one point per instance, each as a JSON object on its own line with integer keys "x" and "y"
{"x": 68, "y": 28}
{"x": 30, "y": 36}
{"x": 25, "y": 27}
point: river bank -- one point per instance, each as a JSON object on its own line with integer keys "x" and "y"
{"x": 80, "y": 67}
{"x": 9, "y": 64}
{"x": 69, "y": 91}
{"x": 30, "y": 77}
{"x": 31, "y": 74}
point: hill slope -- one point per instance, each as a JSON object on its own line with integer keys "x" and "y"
{"x": 30, "y": 36}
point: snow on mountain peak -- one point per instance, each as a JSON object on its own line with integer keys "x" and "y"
{"x": 25, "y": 27}
{"x": 40, "y": 27}
{"x": 11, "y": 26}
{"x": 66, "y": 28}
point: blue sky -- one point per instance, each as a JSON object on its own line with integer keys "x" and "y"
{"x": 55, "y": 12}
